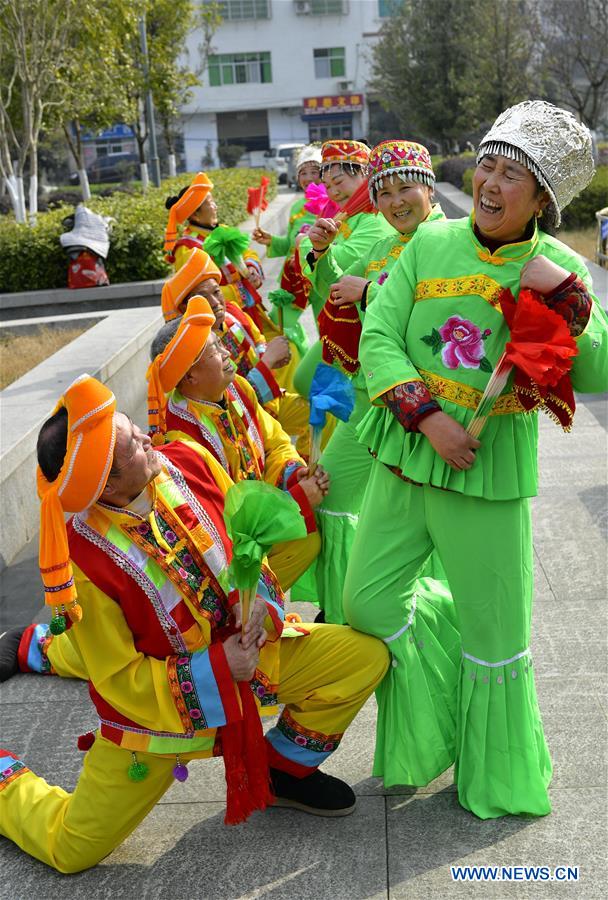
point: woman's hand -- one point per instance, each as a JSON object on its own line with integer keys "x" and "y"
{"x": 450, "y": 440}
{"x": 277, "y": 353}
{"x": 347, "y": 291}
{"x": 314, "y": 486}
{"x": 542, "y": 275}
{"x": 322, "y": 233}
{"x": 261, "y": 237}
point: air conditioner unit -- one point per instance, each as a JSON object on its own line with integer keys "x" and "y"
{"x": 345, "y": 85}
{"x": 303, "y": 8}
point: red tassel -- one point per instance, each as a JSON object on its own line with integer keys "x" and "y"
{"x": 255, "y": 751}
{"x": 86, "y": 741}
{"x": 245, "y": 762}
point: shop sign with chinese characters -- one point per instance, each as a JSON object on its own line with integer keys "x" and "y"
{"x": 314, "y": 106}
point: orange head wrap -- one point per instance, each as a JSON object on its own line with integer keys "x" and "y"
{"x": 183, "y": 208}
{"x": 81, "y": 481}
{"x": 198, "y": 267}
{"x": 169, "y": 367}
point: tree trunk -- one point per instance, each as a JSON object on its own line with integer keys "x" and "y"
{"x": 33, "y": 197}
{"x": 13, "y": 192}
{"x": 75, "y": 146}
{"x": 21, "y": 194}
{"x": 145, "y": 181}
{"x": 172, "y": 166}
{"x": 85, "y": 188}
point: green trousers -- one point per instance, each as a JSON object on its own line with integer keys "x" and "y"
{"x": 348, "y": 464}
{"x": 502, "y": 764}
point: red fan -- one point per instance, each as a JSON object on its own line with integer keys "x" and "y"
{"x": 359, "y": 202}
{"x": 256, "y": 200}
{"x": 541, "y": 351}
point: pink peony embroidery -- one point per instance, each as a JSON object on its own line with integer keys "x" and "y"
{"x": 461, "y": 344}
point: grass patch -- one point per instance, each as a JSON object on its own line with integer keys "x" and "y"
{"x": 21, "y": 352}
{"x": 583, "y": 240}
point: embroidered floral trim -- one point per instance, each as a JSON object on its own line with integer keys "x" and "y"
{"x": 265, "y": 693}
{"x": 251, "y": 428}
{"x": 189, "y": 693}
{"x": 176, "y": 693}
{"x": 207, "y": 434}
{"x": 272, "y": 586}
{"x": 410, "y": 402}
{"x": 11, "y": 773}
{"x": 572, "y": 303}
{"x": 169, "y": 627}
{"x": 469, "y": 397}
{"x": 461, "y": 344}
{"x": 303, "y": 737}
{"x": 441, "y": 288}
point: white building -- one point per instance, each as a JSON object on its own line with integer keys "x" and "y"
{"x": 282, "y": 71}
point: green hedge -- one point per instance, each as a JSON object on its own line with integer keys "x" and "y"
{"x": 581, "y": 212}
{"x": 32, "y": 259}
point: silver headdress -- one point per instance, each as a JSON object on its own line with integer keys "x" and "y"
{"x": 311, "y": 153}
{"x": 550, "y": 143}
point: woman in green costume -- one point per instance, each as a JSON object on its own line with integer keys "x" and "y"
{"x": 308, "y": 169}
{"x": 432, "y": 337}
{"x": 343, "y": 170}
{"x": 400, "y": 184}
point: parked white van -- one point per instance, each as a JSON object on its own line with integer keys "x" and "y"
{"x": 277, "y": 159}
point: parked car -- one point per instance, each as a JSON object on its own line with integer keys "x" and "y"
{"x": 253, "y": 159}
{"x": 277, "y": 158}
{"x": 117, "y": 167}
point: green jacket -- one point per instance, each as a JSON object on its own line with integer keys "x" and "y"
{"x": 373, "y": 265}
{"x": 432, "y": 320}
{"x": 283, "y": 245}
{"x": 354, "y": 240}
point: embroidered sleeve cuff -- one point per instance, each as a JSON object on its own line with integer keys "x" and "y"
{"x": 411, "y": 402}
{"x": 264, "y": 383}
{"x": 33, "y": 648}
{"x": 207, "y": 688}
{"x": 274, "y": 604}
{"x": 289, "y": 478}
{"x": 571, "y": 300}
{"x": 308, "y": 514}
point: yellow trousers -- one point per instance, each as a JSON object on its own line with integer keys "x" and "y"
{"x": 292, "y": 413}
{"x": 291, "y": 559}
{"x": 325, "y": 679}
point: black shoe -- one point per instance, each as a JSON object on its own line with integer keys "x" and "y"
{"x": 318, "y": 794}
{"x": 9, "y": 646}
{"x": 320, "y": 616}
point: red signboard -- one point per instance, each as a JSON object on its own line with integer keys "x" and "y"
{"x": 314, "y": 106}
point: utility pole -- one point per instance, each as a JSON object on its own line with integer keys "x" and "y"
{"x": 154, "y": 160}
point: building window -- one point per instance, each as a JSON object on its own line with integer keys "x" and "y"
{"x": 239, "y": 68}
{"x": 232, "y": 10}
{"x": 388, "y": 8}
{"x": 321, "y": 7}
{"x": 338, "y": 127}
{"x": 329, "y": 63}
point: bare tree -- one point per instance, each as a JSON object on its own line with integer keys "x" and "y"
{"x": 34, "y": 35}
{"x": 575, "y": 42}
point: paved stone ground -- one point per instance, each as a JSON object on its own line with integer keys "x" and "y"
{"x": 398, "y": 843}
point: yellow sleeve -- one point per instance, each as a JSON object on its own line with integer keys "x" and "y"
{"x": 139, "y": 686}
{"x": 281, "y": 457}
